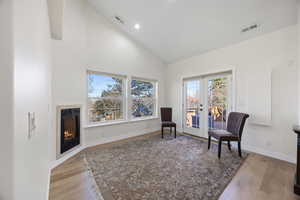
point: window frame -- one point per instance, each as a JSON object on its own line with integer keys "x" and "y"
{"x": 126, "y": 100}
{"x": 123, "y": 98}
{"x": 130, "y": 99}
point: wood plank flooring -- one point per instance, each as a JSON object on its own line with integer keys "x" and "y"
{"x": 262, "y": 178}
{"x": 72, "y": 181}
{"x": 259, "y": 178}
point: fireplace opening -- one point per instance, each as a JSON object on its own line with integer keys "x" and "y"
{"x": 70, "y": 129}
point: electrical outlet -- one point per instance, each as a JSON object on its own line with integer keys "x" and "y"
{"x": 31, "y": 124}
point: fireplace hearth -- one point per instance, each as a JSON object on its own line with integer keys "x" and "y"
{"x": 69, "y": 129}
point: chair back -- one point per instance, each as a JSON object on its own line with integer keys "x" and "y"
{"x": 166, "y": 114}
{"x": 236, "y": 123}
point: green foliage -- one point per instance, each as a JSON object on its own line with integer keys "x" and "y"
{"x": 141, "y": 88}
{"x": 218, "y": 93}
{"x": 113, "y": 90}
{"x": 103, "y": 107}
{"x": 142, "y": 92}
{"x": 107, "y": 104}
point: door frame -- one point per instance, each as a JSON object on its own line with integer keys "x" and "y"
{"x": 231, "y": 70}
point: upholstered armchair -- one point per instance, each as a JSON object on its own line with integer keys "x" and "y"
{"x": 233, "y": 132}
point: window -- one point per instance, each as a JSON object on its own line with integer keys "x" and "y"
{"x": 143, "y": 95}
{"x": 107, "y": 97}
{"x": 106, "y": 100}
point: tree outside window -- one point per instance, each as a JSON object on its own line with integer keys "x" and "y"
{"x": 105, "y": 98}
{"x": 217, "y": 102}
{"x": 143, "y": 98}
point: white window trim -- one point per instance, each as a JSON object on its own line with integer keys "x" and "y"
{"x": 127, "y": 101}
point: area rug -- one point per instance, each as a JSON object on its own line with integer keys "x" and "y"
{"x": 149, "y": 168}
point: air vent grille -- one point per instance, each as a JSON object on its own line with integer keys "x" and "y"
{"x": 249, "y": 28}
{"x": 119, "y": 20}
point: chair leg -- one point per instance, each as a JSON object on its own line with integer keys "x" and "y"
{"x": 162, "y": 132}
{"x": 220, "y": 146}
{"x": 229, "y": 145}
{"x": 175, "y": 131}
{"x": 239, "y": 148}
{"x": 170, "y": 130}
{"x": 209, "y": 140}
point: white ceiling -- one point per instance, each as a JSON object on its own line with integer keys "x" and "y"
{"x": 175, "y": 29}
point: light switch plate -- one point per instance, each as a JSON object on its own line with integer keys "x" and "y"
{"x": 31, "y": 124}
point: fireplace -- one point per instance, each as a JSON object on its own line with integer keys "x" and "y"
{"x": 69, "y": 128}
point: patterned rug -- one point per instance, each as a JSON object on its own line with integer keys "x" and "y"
{"x": 147, "y": 168}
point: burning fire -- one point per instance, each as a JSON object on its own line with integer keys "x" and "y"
{"x": 68, "y": 135}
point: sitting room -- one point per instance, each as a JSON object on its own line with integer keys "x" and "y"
{"x": 150, "y": 100}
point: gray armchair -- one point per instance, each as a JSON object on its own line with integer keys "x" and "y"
{"x": 234, "y": 131}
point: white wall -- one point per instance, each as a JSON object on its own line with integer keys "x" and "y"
{"x": 32, "y": 94}
{"x": 55, "y": 10}
{"x": 91, "y": 42}
{"x": 277, "y": 50}
{"x": 6, "y": 103}
{"x": 298, "y": 40}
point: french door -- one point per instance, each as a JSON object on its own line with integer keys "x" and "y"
{"x": 193, "y": 107}
{"x": 207, "y": 102}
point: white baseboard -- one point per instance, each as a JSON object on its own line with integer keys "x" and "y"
{"x": 120, "y": 137}
{"x": 48, "y": 184}
{"x": 66, "y": 157}
{"x": 277, "y": 155}
{"x": 103, "y": 141}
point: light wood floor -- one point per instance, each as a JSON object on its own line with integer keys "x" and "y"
{"x": 259, "y": 178}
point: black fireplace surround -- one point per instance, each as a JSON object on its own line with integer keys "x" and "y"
{"x": 70, "y": 129}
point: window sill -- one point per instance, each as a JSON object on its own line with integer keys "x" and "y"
{"x": 120, "y": 122}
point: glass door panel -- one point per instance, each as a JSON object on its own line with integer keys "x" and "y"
{"x": 218, "y": 101}
{"x": 207, "y": 102}
{"x": 193, "y": 106}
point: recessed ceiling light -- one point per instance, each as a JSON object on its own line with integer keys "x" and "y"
{"x": 137, "y": 26}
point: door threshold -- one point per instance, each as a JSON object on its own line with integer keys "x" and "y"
{"x": 199, "y": 137}
{"x": 196, "y": 136}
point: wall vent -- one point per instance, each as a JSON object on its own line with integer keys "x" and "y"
{"x": 119, "y": 19}
{"x": 250, "y": 28}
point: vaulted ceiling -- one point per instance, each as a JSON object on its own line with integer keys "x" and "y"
{"x": 175, "y": 29}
